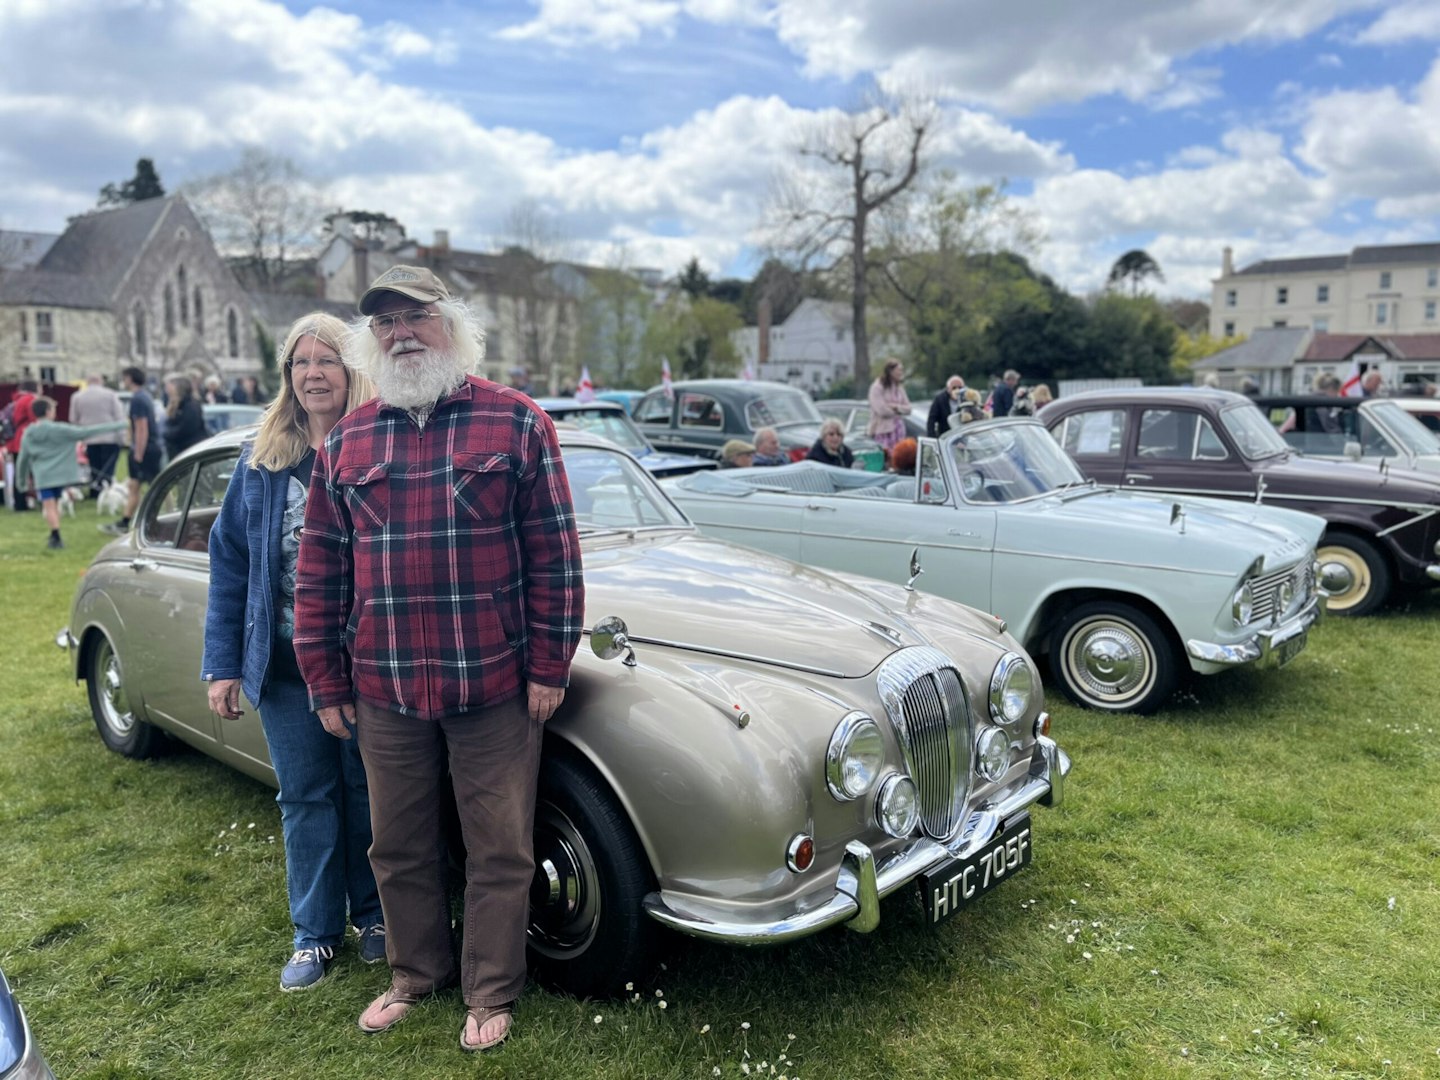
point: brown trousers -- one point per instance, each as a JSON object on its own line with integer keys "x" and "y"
{"x": 494, "y": 756}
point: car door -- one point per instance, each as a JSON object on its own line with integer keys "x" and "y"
{"x": 1096, "y": 439}
{"x": 165, "y": 628}
{"x": 1178, "y": 449}
{"x": 655, "y": 415}
{"x": 702, "y": 423}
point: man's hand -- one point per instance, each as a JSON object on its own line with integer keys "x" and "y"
{"x": 224, "y": 695}
{"x": 544, "y": 700}
{"x": 335, "y": 718}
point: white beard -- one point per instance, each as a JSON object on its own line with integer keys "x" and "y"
{"x": 416, "y": 378}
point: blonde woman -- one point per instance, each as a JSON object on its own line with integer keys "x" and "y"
{"x": 324, "y": 798}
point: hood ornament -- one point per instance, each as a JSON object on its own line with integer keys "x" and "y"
{"x": 1177, "y": 513}
{"x": 915, "y": 570}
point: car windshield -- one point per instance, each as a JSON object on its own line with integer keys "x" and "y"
{"x": 781, "y": 407}
{"x": 1403, "y": 429}
{"x": 1010, "y": 463}
{"x": 611, "y": 424}
{"x": 1253, "y": 433}
{"x": 611, "y": 490}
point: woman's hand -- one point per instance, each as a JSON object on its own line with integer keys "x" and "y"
{"x": 224, "y": 695}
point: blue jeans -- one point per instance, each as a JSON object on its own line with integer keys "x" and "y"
{"x": 325, "y": 817}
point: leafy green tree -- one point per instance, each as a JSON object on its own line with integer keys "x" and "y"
{"x": 1134, "y": 266}
{"x": 1038, "y": 329}
{"x": 145, "y": 184}
{"x": 693, "y": 280}
{"x": 695, "y": 336}
{"x": 614, "y": 318}
{"x": 1192, "y": 347}
{"x": 1130, "y": 336}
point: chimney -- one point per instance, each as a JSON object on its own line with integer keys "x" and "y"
{"x": 362, "y": 269}
{"x": 442, "y": 240}
{"x": 1227, "y": 263}
{"x": 762, "y": 317}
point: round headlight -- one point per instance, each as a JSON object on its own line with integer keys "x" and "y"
{"x": 897, "y": 810}
{"x": 1012, "y": 687}
{"x": 1242, "y": 607}
{"x": 854, "y": 757}
{"x": 992, "y": 753}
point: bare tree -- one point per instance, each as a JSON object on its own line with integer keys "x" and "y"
{"x": 850, "y": 169}
{"x": 533, "y": 256}
{"x": 265, "y": 208}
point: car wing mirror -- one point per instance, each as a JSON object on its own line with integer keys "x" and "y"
{"x": 1352, "y": 450}
{"x": 610, "y": 638}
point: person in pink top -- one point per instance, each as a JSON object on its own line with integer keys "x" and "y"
{"x": 889, "y": 405}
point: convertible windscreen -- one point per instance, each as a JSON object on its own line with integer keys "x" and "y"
{"x": 612, "y": 491}
{"x": 1010, "y": 464}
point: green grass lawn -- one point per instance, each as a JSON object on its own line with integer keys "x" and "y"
{"x": 1243, "y": 885}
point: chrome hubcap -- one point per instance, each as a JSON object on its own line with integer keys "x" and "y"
{"x": 565, "y": 893}
{"x": 113, "y": 702}
{"x": 1109, "y": 661}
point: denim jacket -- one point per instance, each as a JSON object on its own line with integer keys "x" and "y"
{"x": 245, "y": 568}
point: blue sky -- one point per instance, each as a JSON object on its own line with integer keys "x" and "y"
{"x": 651, "y": 131}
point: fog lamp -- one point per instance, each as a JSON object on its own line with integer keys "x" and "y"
{"x": 992, "y": 753}
{"x": 897, "y": 810}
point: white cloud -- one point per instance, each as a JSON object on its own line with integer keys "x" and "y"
{"x": 609, "y": 23}
{"x": 1414, "y": 20}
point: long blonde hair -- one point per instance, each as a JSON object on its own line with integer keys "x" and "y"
{"x": 284, "y": 435}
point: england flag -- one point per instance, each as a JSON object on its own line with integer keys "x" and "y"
{"x": 586, "y": 391}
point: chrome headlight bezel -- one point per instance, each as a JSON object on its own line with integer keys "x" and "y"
{"x": 992, "y": 753}
{"x": 1012, "y": 689}
{"x": 1242, "y": 604}
{"x": 854, "y": 757}
{"x": 898, "y": 793}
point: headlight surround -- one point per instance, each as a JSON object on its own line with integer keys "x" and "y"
{"x": 854, "y": 757}
{"x": 992, "y": 753}
{"x": 897, "y": 808}
{"x": 1012, "y": 689}
{"x": 1242, "y": 604}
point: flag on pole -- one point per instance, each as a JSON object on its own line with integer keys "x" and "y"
{"x": 1351, "y": 386}
{"x": 748, "y": 372}
{"x": 665, "y": 377}
{"x": 586, "y": 390}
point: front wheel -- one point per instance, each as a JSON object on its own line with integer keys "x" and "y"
{"x": 1113, "y": 657}
{"x": 119, "y": 727}
{"x": 588, "y": 933}
{"x": 1354, "y": 574}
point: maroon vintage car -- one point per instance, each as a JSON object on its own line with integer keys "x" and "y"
{"x": 1383, "y": 524}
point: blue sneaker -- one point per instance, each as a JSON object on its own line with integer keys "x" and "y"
{"x": 372, "y": 943}
{"x": 306, "y": 968}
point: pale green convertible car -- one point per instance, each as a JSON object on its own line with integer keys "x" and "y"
{"x": 750, "y": 750}
{"x": 1123, "y": 591}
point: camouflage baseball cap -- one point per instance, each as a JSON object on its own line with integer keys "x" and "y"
{"x": 416, "y": 282}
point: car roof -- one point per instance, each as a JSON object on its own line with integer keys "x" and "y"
{"x": 729, "y": 384}
{"x": 570, "y": 404}
{"x": 1141, "y": 395}
{"x": 1311, "y": 400}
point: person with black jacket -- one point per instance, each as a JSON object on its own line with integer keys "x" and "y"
{"x": 184, "y": 417}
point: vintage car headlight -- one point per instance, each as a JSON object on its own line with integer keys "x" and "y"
{"x": 1012, "y": 687}
{"x": 992, "y": 753}
{"x": 854, "y": 757}
{"x": 897, "y": 810}
{"x": 1242, "y": 605}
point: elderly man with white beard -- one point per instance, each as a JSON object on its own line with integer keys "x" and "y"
{"x": 438, "y": 605}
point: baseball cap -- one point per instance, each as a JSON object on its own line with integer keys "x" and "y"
{"x": 416, "y": 282}
{"x": 734, "y": 447}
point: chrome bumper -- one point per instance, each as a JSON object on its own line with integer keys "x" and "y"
{"x": 1433, "y": 572}
{"x": 1259, "y": 647}
{"x": 863, "y": 881}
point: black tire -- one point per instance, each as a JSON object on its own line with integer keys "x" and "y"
{"x": 588, "y": 933}
{"x": 1112, "y": 657}
{"x": 119, "y": 727}
{"x": 1356, "y": 568}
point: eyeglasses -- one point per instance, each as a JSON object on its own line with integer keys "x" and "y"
{"x": 414, "y": 319}
{"x": 323, "y": 363}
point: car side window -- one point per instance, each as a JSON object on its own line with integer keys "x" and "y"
{"x": 1208, "y": 445}
{"x": 929, "y": 473}
{"x": 701, "y": 411}
{"x": 1372, "y": 442}
{"x": 653, "y": 409}
{"x": 211, "y": 480}
{"x": 1100, "y": 433}
{"x": 160, "y": 527}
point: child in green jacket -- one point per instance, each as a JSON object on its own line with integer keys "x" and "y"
{"x": 48, "y": 463}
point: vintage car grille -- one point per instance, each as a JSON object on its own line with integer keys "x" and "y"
{"x": 925, "y": 700}
{"x": 1269, "y": 590}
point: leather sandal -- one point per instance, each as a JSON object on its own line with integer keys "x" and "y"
{"x": 393, "y": 996}
{"x": 483, "y": 1014}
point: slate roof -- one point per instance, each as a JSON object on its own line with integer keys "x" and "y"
{"x": 1330, "y": 347}
{"x": 1308, "y": 265}
{"x": 282, "y": 309}
{"x": 103, "y": 245}
{"x": 1395, "y": 253}
{"x": 1371, "y": 255}
{"x": 22, "y": 250}
{"x": 45, "y": 288}
{"x": 1273, "y": 347}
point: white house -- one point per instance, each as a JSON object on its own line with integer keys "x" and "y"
{"x": 814, "y": 346}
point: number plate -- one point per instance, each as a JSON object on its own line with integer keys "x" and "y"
{"x": 1288, "y": 650}
{"x": 957, "y": 883}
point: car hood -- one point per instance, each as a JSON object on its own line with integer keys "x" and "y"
{"x": 689, "y": 591}
{"x": 1212, "y": 534}
{"x": 1300, "y": 476}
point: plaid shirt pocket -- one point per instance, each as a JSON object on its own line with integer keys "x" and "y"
{"x": 484, "y": 485}
{"x": 366, "y": 494}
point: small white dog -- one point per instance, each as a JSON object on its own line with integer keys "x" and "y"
{"x": 68, "y": 498}
{"x": 111, "y": 500}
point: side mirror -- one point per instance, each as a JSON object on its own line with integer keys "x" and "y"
{"x": 1352, "y": 450}
{"x": 609, "y": 639}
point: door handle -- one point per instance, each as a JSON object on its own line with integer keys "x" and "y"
{"x": 143, "y": 564}
{"x": 1132, "y": 477}
{"x": 818, "y": 506}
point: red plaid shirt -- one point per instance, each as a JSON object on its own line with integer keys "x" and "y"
{"x": 440, "y": 566}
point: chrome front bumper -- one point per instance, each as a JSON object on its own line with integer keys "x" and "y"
{"x": 1433, "y": 571}
{"x": 863, "y": 880}
{"x": 1261, "y": 645}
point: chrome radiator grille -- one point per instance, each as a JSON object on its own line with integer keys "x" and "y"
{"x": 925, "y": 701}
{"x": 1270, "y": 592}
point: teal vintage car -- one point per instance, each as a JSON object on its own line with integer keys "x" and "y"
{"x": 1124, "y": 592}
